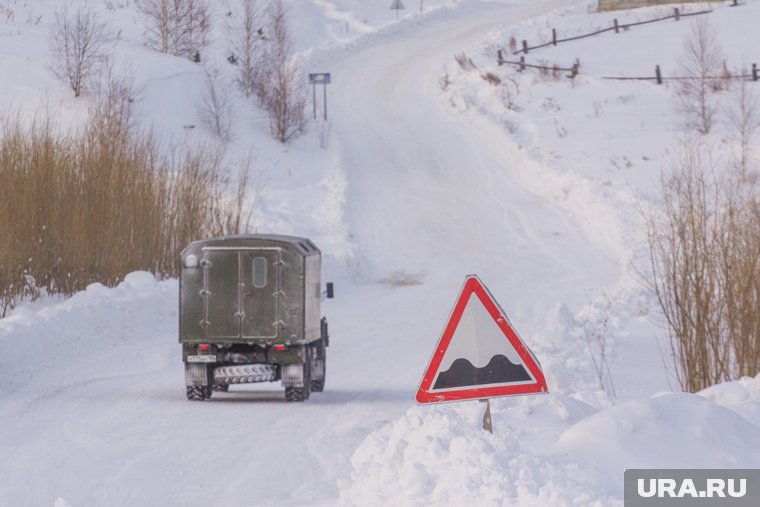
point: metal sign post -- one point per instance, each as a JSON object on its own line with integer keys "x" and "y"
{"x": 323, "y": 79}
{"x": 487, "y": 423}
{"x": 397, "y": 5}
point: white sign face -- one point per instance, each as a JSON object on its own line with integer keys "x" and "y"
{"x": 323, "y": 78}
{"x": 479, "y": 354}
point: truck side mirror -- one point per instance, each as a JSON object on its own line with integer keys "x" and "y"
{"x": 330, "y": 290}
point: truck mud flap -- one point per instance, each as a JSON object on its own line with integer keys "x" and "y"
{"x": 196, "y": 374}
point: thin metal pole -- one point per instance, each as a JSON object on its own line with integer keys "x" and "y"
{"x": 324, "y": 90}
{"x": 487, "y": 416}
{"x": 314, "y": 98}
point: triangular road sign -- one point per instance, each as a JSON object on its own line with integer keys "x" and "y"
{"x": 479, "y": 354}
{"x": 397, "y": 5}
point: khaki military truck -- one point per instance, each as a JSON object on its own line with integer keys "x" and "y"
{"x": 249, "y": 311}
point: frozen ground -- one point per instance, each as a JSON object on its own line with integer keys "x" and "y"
{"x": 417, "y": 185}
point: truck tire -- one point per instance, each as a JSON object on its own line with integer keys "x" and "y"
{"x": 196, "y": 393}
{"x": 293, "y": 393}
{"x": 318, "y": 382}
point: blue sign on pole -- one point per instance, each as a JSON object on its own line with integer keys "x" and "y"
{"x": 322, "y": 78}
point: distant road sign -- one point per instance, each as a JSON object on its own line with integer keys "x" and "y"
{"x": 320, "y": 78}
{"x": 479, "y": 354}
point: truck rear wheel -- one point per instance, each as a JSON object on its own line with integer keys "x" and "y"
{"x": 196, "y": 393}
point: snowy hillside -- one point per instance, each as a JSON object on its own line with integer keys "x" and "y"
{"x": 425, "y": 173}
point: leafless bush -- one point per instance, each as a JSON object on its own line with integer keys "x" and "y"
{"x": 705, "y": 255}
{"x": 116, "y": 95}
{"x": 597, "y": 330}
{"x": 682, "y": 239}
{"x": 283, "y": 90}
{"x": 215, "y": 110}
{"x": 444, "y": 81}
{"x": 178, "y": 27}
{"x": 403, "y": 279}
{"x": 76, "y": 46}
{"x": 700, "y": 67}
{"x": 491, "y": 78}
{"x": 246, "y": 34}
{"x": 509, "y": 90}
{"x": 465, "y": 61}
{"x": 94, "y": 204}
{"x": 512, "y": 44}
{"x": 744, "y": 119}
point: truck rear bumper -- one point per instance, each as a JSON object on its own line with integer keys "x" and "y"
{"x": 245, "y": 374}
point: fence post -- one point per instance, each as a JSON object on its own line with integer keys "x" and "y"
{"x": 658, "y": 74}
{"x": 754, "y": 72}
{"x": 499, "y": 57}
{"x": 617, "y": 27}
{"x": 525, "y": 46}
{"x": 554, "y": 36}
{"x": 676, "y": 13}
{"x": 522, "y": 64}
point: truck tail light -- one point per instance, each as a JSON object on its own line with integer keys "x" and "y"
{"x": 279, "y": 348}
{"x": 203, "y": 347}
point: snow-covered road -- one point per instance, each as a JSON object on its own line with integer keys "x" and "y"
{"x": 94, "y": 409}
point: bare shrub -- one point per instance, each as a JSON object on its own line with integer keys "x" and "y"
{"x": 685, "y": 277}
{"x": 116, "y": 95}
{"x": 512, "y": 44}
{"x": 76, "y": 46}
{"x": 246, "y": 34}
{"x": 597, "y": 328}
{"x": 215, "y": 110}
{"x": 491, "y": 78}
{"x": 178, "y": 27}
{"x": 403, "y": 279}
{"x": 94, "y": 204}
{"x": 444, "y": 81}
{"x": 700, "y": 68}
{"x": 744, "y": 119}
{"x": 705, "y": 255}
{"x": 283, "y": 89}
{"x": 464, "y": 61}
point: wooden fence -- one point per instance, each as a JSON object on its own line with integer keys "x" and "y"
{"x": 522, "y": 65}
{"x": 616, "y": 27}
{"x": 754, "y": 76}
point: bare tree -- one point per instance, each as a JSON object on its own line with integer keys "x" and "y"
{"x": 743, "y": 118}
{"x": 113, "y": 113}
{"x": 178, "y": 27}
{"x": 215, "y": 111}
{"x": 76, "y": 46}
{"x": 701, "y": 65}
{"x": 246, "y": 35}
{"x": 283, "y": 90}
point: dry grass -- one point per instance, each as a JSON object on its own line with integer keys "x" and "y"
{"x": 94, "y": 204}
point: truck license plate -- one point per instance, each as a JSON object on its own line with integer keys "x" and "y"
{"x": 201, "y": 359}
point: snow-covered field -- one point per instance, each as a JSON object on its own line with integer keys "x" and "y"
{"x": 422, "y": 176}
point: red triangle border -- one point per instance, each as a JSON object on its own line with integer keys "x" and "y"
{"x": 473, "y": 285}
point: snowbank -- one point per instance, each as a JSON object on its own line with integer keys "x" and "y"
{"x": 551, "y": 450}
